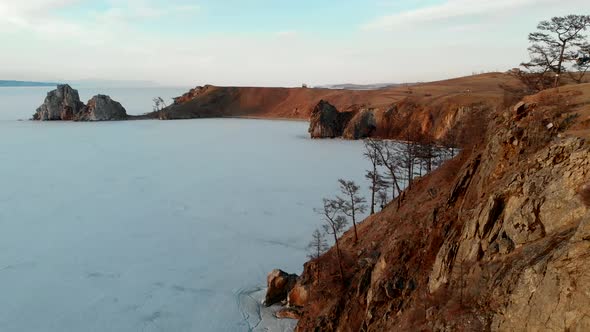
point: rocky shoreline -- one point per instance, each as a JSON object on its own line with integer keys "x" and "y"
{"x": 494, "y": 240}
{"x": 430, "y": 112}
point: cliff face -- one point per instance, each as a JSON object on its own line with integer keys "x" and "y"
{"x": 494, "y": 240}
{"x": 430, "y": 110}
{"x": 273, "y": 103}
{"x": 327, "y": 122}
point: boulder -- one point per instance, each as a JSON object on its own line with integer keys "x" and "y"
{"x": 279, "y": 285}
{"x": 327, "y": 122}
{"x": 362, "y": 125}
{"x": 62, "y": 103}
{"x": 289, "y": 313}
{"x": 298, "y": 296}
{"x": 102, "y": 108}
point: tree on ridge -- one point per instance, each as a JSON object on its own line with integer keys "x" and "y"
{"x": 556, "y": 43}
{"x": 352, "y": 203}
{"x": 334, "y": 225}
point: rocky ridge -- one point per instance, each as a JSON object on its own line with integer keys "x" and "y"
{"x": 494, "y": 240}
{"x": 63, "y": 104}
{"x": 432, "y": 111}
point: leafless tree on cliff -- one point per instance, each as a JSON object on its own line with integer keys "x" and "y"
{"x": 389, "y": 160}
{"x": 352, "y": 203}
{"x": 556, "y": 43}
{"x": 373, "y": 175}
{"x": 406, "y": 158}
{"x": 317, "y": 247}
{"x": 426, "y": 154}
{"x": 377, "y": 185}
{"x": 334, "y": 224}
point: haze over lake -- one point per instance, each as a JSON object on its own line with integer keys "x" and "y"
{"x": 152, "y": 225}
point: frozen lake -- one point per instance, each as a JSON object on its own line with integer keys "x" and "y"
{"x": 151, "y": 225}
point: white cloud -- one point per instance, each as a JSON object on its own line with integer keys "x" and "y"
{"x": 122, "y": 11}
{"x": 451, "y": 9}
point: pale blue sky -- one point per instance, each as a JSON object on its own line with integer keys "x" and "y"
{"x": 264, "y": 42}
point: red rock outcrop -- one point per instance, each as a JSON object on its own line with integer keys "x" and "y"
{"x": 279, "y": 285}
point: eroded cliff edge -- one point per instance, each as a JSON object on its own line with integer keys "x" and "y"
{"x": 428, "y": 110}
{"x": 497, "y": 239}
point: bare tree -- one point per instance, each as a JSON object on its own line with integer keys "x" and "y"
{"x": 159, "y": 104}
{"x": 426, "y": 154}
{"x": 377, "y": 184}
{"x": 334, "y": 225}
{"x": 555, "y": 44}
{"x": 407, "y": 158}
{"x": 318, "y": 245}
{"x": 389, "y": 160}
{"x": 376, "y": 180}
{"x": 352, "y": 203}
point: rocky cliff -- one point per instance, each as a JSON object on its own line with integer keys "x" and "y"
{"x": 432, "y": 110}
{"x": 495, "y": 240}
{"x": 273, "y": 103}
{"x": 327, "y": 122}
{"x": 63, "y": 104}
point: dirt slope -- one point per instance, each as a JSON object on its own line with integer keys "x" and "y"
{"x": 297, "y": 103}
{"x": 495, "y": 240}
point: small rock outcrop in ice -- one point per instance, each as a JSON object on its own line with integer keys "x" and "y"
{"x": 102, "y": 108}
{"x": 327, "y": 122}
{"x": 64, "y": 104}
{"x": 280, "y": 283}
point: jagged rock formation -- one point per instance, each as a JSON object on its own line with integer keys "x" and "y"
{"x": 102, "y": 108}
{"x": 62, "y": 103}
{"x": 327, "y": 122}
{"x": 494, "y": 240}
{"x": 279, "y": 285}
{"x": 362, "y": 125}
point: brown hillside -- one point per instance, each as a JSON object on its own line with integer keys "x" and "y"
{"x": 297, "y": 103}
{"x": 494, "y": 240}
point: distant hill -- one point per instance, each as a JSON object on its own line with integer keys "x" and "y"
{"x": 4, "y": 83}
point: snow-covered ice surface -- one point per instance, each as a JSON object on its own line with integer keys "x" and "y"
{"x": 156, "y": 225}
{"x": 260, "y": 318}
